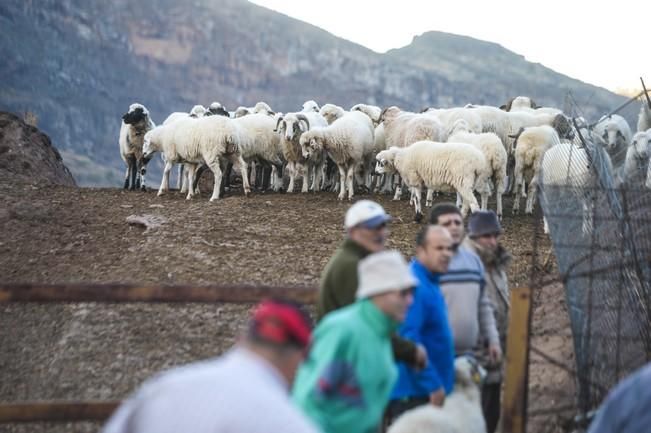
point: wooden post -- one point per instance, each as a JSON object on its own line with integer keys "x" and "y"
{"x": 514, "y": 407}
{"x": 56, "y": 411}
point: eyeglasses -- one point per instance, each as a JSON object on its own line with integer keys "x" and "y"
{"x": 449, "y": 223}
{"x": 376, "y": 227}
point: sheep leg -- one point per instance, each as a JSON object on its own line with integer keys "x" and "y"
{"x": 532, "y": 195}
{"x": 191, "y": 169}
{"x": 291, "y": 167}
{"x": 469, "y": 200}
{"x": 239, "y": 164}
{"x": 342, "y": 182}
{"x": 429, "y": 199}
{"x": 415, "y": 196}
{"x": 350, "y": 178}
{"x": 305, "y": 168}
{"x": 143, "y": 173}
{"x": 459, "y": 202}
{"x": 180, "y": 180}
{"x": 132, "y": 172}
{"x": 126, "y": 175}
{"x": 217, "y": 173}
{"x": 200, "y": 170}
{"x": 398, "y": 193}
{"x": 165, "y": 181}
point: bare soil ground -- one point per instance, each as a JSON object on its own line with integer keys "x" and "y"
{"x": 103, "y": 351}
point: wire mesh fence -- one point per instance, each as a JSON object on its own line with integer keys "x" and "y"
{"x": 600, "y": 226}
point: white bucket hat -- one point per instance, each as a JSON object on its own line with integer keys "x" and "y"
{"x": 382, "y": 272}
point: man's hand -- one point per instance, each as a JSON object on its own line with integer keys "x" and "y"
{"x": 494, "y": 353}
{"x": 437, "y": 397}
{"x": 421, "y": 357}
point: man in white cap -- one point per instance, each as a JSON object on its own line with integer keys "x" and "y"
{"x": 366, "y": 233}
{"x": 344, "y": 384}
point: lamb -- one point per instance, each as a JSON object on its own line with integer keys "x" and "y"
{"x": 310, "y": 107}
{"x": 439, "y": 166}
{"x": 331, "y": 112}
{"x": 461, "y": 412}
{"x": 348, "y": 141}
{"x": 213, "y": 140}
{"x": 531, "y": 144}
{"x": 135, "y": 124}
{"x": 637, "y": 154}
{"x": 617, "y": 136}
{"x": 290, "y": 127}
{"x": 495, "y": 154}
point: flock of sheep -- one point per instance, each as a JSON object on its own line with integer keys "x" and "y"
{"x": 464, "y": 149}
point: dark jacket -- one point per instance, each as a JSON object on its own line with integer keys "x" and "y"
{"x": 339, "y": 285}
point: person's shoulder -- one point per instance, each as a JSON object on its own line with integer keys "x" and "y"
{"x": 468, "y": 255}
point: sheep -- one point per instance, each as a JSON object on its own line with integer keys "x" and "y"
{"x": 519, "y": 103}
{"x": 331, "y": 112}
{"x": 196, "y": 111}
{"x": 439, "y": 166}
{"x": 348, "y": 141}
{"x": 260, "y": 107}
{"x": 402, "y": 128}
{"x": 290, "y": 127}
{"x": 371, "y": 111}
{"x": 310, "y": 107}
{"x": 644, "y": 118}
{"x": 135, "y": 124}
{"x": 449, "y": 116}
{"x": 212, "y": 139}
{"x": 637, "y": 154}
{"x": 530, "y": 146}
{"x": 496, "y": 158}
{"x": 216, "y": 109}
{"x": 461, "y": 411}
{"x": 259, "y": 143}
{"x": 648, "y": 175}
{"x": 616, "y": 133}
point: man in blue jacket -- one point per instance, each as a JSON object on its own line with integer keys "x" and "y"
{"x": 427, "y": 323}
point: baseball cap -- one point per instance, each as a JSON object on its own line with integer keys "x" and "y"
{"x": 367, "y": 213}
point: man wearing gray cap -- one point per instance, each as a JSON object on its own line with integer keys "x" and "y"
{"x": 366, "y": 233}
{"x": 344, "y": 384}
{"x": 484, "y": 231}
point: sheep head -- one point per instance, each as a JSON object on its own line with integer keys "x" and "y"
{"x": 370, "y": 110}
{"x": 137, "y": 113}
{"x": 150, "y": 145}
{"x": 217, "y": 109}
{"x": 262, "y": 107}
{"x": 291, "y": 125}
{"x": 642, "y": 143}
{"x": 386, "y": 161}
{"x": 310, "y": 106}
{"x": 389, "y": 114}
{"x": 331, "y": 112}
{"x": 241, "y": 112}
{"x": 198, "y": 111}
{"x": 312, "y": 143}
{"x": 468, "y": 372}
{"x": 563, "y": 126}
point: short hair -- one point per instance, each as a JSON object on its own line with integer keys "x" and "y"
{"x": 421, "y": 236}
{"x": 442, "y": 209}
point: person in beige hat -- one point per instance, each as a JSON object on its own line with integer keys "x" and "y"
{"x": 366, "y": 233}
{"x": 345, "y": 383}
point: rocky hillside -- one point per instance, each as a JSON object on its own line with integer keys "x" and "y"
{"x": 26, "y": 154}
{"x": 78, "y": 65}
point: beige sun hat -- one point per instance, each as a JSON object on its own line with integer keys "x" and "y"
{"x": 383, "y": 272}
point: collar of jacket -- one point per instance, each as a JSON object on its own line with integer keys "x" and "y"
{"x": 376, "y": 319}
{"x": 357, "y": 249}
{"x": 498, "y": 259}
{"x": 420, "y": 271}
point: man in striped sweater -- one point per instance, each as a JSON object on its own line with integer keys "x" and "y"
{"x": 470, "y": 310}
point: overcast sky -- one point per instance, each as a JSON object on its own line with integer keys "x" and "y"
{"x": 605, "y": 46}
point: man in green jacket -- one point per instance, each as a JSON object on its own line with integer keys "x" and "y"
{"x": 366, "y": 233}
{"x": 344, "y": 384}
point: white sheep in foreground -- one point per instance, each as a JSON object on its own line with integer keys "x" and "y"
{"x": 493, "y": 149}
{"x": 212, "y": 139}
{"x": 458, "y": 167}
{"x": 349, "y": 143}
{"x": 135, "y": 124}
{"x": 290, "y": 127}
{"x": 310, "y": 107}
{"x": 617, "y": 135}
{"x": 644, "y": 118}
{"x": 637, "y": 154}
{"x": 461, "y": 411}
{"x": 331, "y": 112}
{"x": 530, "y": 146}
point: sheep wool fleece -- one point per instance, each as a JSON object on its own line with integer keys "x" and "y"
{"x": 344, "y": 384}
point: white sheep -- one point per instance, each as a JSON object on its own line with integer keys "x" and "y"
{"x": 135, "y": 124}
{"x": 216, "y": 109}
{"x": 496, "y": 158}
{"x": 644, "y": 118}
{"x": 258, "y": 108}
{"x": 290, "y": 127}
{"x": 371, "y": 111}
{"x": 458, "y": 167}
{"x": 449, "y": 116}
{"x": 331, "y": 112}
{"x": 461, "y": 411}
{"x": 212, "y": 139}
{"x": 348, "y": 141}
{"x": 637, "y": 154}
{"x": 530, "y": 146}
{"x": 617, "y": 135}
{"x": 310, "y": 107}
